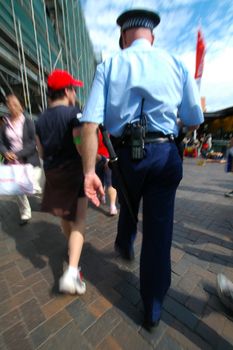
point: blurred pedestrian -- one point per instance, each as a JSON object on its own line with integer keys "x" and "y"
{"x": 18, "y": 145}
{"x": 58, "y": 139}
{"x": 230, "y": 164}
{"x": 137, "y": 95}
{"x": 105, "y": 174}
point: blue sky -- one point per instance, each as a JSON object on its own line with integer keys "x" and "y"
{"x": 177, "y": 33}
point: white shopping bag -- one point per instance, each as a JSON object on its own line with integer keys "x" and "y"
{"x": 16, "y": 179}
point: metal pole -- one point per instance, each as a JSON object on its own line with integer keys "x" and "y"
{"x": 37, "y": 53}
{"x": 58, "y": 33}
{"x": 77, "y": 58}
{"x": 81, "y": 56}
{"x": 69, "y": 40}
{"x": 58, "y": 56}
{"x": 19, "y": 55}
{"x": 63, "y": 18}
{"x": 75, "y": 28}
{"x": 25, "y": 71}
{"x": 47, "y": 36}
{"x": 43, "y": 79}
{"x": 84, "y": 58}
{"x": 6, "y": 82}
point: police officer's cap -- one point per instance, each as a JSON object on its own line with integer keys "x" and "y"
{"x": 138, "y": 18}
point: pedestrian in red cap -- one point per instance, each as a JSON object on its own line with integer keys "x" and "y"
{"x": 58, "y": 143}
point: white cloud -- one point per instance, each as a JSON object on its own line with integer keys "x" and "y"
{"x": 217, "y": 80}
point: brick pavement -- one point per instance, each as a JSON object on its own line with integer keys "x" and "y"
{"x": 34, "y": 316}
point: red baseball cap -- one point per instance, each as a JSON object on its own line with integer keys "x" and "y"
{"x": 60, "y": 79}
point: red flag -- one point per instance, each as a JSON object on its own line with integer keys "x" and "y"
{"x": 200, "y": 54}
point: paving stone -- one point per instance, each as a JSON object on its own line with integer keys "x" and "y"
{"x": 213, "y": 319}
{"x": 182, "y": 266}
{"x": 168, "y": 343}
{"x": 102, "y": 328}
{"x": 2, "y": 344}
{"x": 153, "y": 338}
{"x": 81, "y": 315}
{"x": 192, "y": 315}
{"x": 178, "y": 294}
{"x": 227, "y": 331}
{"x": 15, "y": 301}
{"x": 176, "y": 254}
{"x": 23, "y": 284}
{"x": 57, "y": 304}
{"x": 129, "y": 292}
{"x": 49, "y": 328}
{"x": 42, "y": 292}
{"x": 32, "y": 314}
{"x": 185, "y": 338}
{"x": 188, "y": 282}
{"x": 5, "y": 267}
{"x": 130, "y": 313}
{"x": 99, "y": 307}
{"x": 4, "y": 291}
{"x": 109, "y": 343}
{"x": 128, "y": 339}
{"x": 16, "y": 338}
{"x": 180, "y": 312}
{"x": 68, "y": 337}
{"x": 197, "y": 301}
{"x": 13, "y": 275}
{"x": 8, "y": 320}
{"x": 211, "y": 337}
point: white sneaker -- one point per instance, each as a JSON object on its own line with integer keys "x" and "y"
{"x": 71, "y": 285}
{"x": 225, "y": 290}
{"x": 113, "y": 210}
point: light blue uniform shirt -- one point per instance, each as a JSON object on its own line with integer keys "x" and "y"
{"x": 140, "y": 71}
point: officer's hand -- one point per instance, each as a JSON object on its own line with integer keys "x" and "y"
{"x": 93, "y": 188}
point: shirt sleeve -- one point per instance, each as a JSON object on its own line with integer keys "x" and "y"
{"x": 95, "y": 108}
{"x": 190, "y": 111}
{"x": 75, "y": 116}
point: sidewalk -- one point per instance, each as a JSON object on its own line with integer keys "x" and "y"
{"x": 34, "y": 316}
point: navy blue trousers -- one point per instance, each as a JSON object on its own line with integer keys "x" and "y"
{"x": 154, "y": 179}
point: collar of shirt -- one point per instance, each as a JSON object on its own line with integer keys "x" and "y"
{"x": 19, "y": 122}
{"x": 140, "y": 42}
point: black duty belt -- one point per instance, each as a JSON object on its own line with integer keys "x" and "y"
{"x": 151, "y": 137}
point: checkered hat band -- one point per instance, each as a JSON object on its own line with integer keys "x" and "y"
{"x": 138, "y": 22}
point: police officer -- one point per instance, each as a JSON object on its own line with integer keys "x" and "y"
{"x": 137, "y": 94}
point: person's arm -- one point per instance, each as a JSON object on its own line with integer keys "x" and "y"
{"x": 29, "y": 146}
{"x": 189, "y": 111}
{"x": 3, "y": 148}
{"x": 89, "y": 147}
{"x": 77, "y": 139}
{"x": 39, "y": 147}
{"x": 93, "y": 115}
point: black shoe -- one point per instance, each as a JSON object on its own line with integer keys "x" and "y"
{"x": 150, "y": 326}
{"x": 124, "y": 253}
{"x": 23, "y": 222}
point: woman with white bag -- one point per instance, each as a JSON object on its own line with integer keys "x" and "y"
{"x": 18, "y": 146}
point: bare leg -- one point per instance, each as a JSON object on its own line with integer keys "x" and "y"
{"x": 71, "y": 281}
{"x": 112, "y": 193}
{"x": 76, "y": 238}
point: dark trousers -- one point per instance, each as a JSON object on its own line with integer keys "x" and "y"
{"x": 155, "y": 180}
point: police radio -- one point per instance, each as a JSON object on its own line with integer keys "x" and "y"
{"x": 137, "y": 136}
